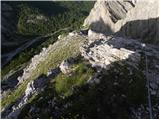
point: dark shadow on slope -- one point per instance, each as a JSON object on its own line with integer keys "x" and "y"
{"x": 111, "y": 98}
{"x": 147, "y": 30}
{"x": 101, "y": 27}
{"x": 117, "y": 92}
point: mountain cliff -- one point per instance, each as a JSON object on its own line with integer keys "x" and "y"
{"x": 134, "y": 19}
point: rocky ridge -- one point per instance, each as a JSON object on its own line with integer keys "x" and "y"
{"x": 27, "y": 75}
{"x": 43, "y": 55}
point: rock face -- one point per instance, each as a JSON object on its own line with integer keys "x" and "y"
{"x": 133, "y": 19}
{"x": 102, "y": 53}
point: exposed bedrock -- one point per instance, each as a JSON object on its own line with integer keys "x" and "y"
{"x": 138, "y": 19}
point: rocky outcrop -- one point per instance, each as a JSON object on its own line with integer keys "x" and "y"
{"x": 138, "y": 19}
{"x": 104, "y": 50}
{"x": 103, "y": 53}
{"x": 66, "y": 66}
{"x": 33, "y": 87}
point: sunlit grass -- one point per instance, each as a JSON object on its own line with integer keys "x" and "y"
{"x": 62, "y": 49}
{"x": 64, "y": 83}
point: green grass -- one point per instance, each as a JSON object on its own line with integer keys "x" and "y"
{"x": 13, "y": 95}
{"x": 86, "y": 100}
{"x": 62, "y": 14}
{"x": 62, "y": 49}
{"x": 58, "y": 14}
{"x": 65, "y": 83}
{"x": 100, "y": 96}
{"x": 60, "y": 86}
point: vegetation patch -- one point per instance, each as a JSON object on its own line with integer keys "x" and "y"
{"x": 65, "y": 84}
{"x": 103, "y": 100}
{"x": 41, "y": 18}
{"x": 45, "y": 17}
{"x": 111, "y": 98}
{"x": 62, "y": 49}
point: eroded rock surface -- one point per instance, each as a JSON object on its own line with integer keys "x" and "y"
{"x": 135, "y": 19}
{"x": 103, "y": 53}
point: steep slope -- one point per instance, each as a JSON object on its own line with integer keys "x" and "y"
{"x": 98, "y": 75}
{"x": 47, "y": 60}
{"x": 127, "y": 18}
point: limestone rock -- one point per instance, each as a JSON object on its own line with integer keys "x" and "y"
{"x": 65, "y": 67}
{"x": 103, "y": 53}
{"x": 73, "y": 33}
{"x": 135, "y": 19}
{"x": 92, "y": 35}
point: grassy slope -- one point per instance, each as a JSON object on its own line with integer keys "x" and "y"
{"x": 64, "y": 84}
{"x": 62, "y": 49}
{"x": 59, "y": 15}
{"x": 61, "y": 86}
{"x": 84, "y": 101}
